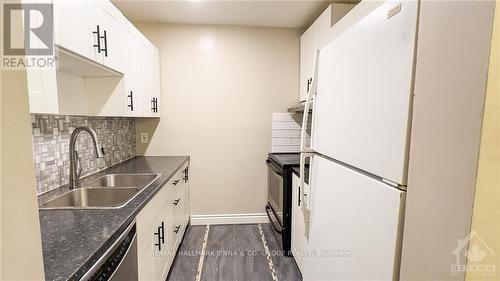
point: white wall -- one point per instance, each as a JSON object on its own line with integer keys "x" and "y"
{"x": 450, "y": 83}
{"x": 219, "y": 87}
{"x": 20, "y": 238}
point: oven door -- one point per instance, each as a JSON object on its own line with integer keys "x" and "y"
{"x": 274, "y": 209}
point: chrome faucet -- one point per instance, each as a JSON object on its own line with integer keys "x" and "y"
{"x": 74, "y": 161}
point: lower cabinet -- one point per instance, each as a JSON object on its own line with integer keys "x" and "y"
{"x": 161, "y": 226}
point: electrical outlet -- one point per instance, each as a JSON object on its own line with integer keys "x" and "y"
{"x": 144, "y": 138}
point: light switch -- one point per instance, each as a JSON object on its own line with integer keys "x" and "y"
{"x": 144, "y": 138}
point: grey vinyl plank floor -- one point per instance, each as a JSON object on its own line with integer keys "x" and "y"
{"x": 186, "y": 261}
{"x": 286, "y": 268}
{"x": 233, "y": 253}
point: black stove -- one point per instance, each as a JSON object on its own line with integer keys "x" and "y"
{"x": 279, "y": 206}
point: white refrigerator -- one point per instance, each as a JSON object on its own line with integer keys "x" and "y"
{"x": 353, "y": 206}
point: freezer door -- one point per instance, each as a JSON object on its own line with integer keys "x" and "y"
{"x": 355, "y": 228}
{"x": 363, "y": 103}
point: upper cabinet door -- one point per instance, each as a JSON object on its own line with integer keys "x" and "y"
{"x": 111, "y": 35}
{"x": 133, "y": 71}
{"x": 363, "y": 105}
{"x": 151, "y": 78}
{"x": 155, "y": 83}
{"x": 318, "y": 35}
{"x": 72, "y": 28}
{"x": 307, "y": 47}
{"x": 310, "y": 41}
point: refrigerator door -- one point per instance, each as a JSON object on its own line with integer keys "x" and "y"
{"x": 355, "y": 226}
{"x": 363, "y": 103}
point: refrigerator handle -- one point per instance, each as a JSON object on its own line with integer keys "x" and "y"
{"x": 307, "y": 151}
{"x": 309, "y": 101}
{"x": 305, "y": 192}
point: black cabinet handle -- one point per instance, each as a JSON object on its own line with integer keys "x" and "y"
{"x": 131, "y": 105}
{"x": 154, "y": 105}
{"x": 309, "y": 82}
{"x": 158, "y": 234}
{"x": 175, "y": 182}
{"x": 186, "y": 174}
{"x": 98, "y": 33}
{"x": 162, "y": 228}
{"x": 99, "y": 37}
{"x": 105, "y": 37}
{"x": 177, "y": 229}
{"x": 176, "y": 202}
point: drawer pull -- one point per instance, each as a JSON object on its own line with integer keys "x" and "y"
{"x": 175, "y": 182}
{"x": 177, "y": 201}
{"x": 162, "y": 228}
{"x": 176, "y": 230}
{"x": 158, "y": 234}
{"x": 186, "y": 174}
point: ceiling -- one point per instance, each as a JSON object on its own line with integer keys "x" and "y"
{"x": 292, "y": 14}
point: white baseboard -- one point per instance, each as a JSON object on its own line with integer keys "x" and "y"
{"x": 229, "y": 219}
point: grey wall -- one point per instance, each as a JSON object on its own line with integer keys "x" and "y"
{"x": 451, "y": 70}
{"x": 51, "y": 135}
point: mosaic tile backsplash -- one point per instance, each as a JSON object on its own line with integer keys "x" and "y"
{"x": 51, "y": 135}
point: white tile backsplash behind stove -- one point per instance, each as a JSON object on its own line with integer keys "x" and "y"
{"x": 286, "y": 128}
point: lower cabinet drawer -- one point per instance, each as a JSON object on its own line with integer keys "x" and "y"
{"x": 160, "y": 227}
{"x": 146, "y": 265}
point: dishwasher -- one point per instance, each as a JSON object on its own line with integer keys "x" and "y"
{"x": 119, "y": 262}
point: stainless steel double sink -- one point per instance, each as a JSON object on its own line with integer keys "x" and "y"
{"x": 108, "y": 191}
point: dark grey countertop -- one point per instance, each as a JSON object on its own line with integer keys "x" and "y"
{"x": 286, "y": 159}
{"x": 72, "y": 240}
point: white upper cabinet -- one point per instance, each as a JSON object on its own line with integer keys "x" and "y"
{"x": 91, "y": 29}
{"x": 72, "y": 29}
{"x": 309, "y": 43}
{"x": 133, "y": 71}
{"x": 42, "y": 82}
{"x": 109, "y": 20}
{"x": 151, "y": 78}
{"x": 318, "y": 35}
{"x": 106, "y": 67}
{"x": 42, "y": 90}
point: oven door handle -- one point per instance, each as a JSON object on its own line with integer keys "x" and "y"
{"x": 279, "y": 230}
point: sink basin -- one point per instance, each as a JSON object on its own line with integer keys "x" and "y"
{"x": 113, "y": 180}
{"x": 93, "y": 198}
{"x": 108, "y": 191}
